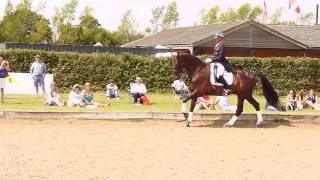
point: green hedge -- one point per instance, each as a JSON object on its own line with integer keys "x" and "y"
{"x": 70, "y": 68}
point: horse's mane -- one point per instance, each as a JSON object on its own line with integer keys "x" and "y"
{"x": 190, "y": 57}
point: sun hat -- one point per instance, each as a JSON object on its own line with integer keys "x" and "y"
{"x": 138, "y": 79}
{"x": 75, "y": 86}
{"x": 37, "y": 56}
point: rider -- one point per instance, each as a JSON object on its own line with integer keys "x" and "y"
{"x": 219, "y": 57}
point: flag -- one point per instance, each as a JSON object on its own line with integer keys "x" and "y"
{"x": 291, "y": 3}
{"x": 297, "y": 10}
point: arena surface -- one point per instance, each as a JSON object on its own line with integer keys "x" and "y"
{"x": 157, "y": 150}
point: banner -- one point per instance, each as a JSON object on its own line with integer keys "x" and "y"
{"x": 22, "y": 83}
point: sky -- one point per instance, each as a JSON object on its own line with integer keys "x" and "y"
{"x": 109, "y": 12}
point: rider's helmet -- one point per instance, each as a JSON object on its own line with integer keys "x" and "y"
{"x": 218, "y": 35}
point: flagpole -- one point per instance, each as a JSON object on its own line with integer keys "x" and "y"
{"x": 317, "y": 14}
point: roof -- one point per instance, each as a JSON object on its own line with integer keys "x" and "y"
{"x": 189, "y": 36}
{"x": 182, "y": 36}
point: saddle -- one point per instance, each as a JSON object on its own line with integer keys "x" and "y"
{"x": 217, "y": 70}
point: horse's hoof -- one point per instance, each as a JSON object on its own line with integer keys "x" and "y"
{"x": 188, "y": 125}
{"x": 228, "y": 126}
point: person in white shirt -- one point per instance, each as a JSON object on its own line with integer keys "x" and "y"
{"x": 112, "y": 90}
{"x": 138, "y": 89}
{"x": 223, "y": 104}
{"x": 179, "y": 88}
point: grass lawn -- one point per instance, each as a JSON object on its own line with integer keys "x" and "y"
{"x": 160, "y": 103}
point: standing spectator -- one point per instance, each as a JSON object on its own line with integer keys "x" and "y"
{"x": 299, "y": 100}
{"x": 223, "y": 104}
{"x": 179, "y": 88}
{"x": 4, "y": 69}
{"x": 291, "y": 103}
{"x": 38, "y": 72}
{"x": 312, "y": 100}
{"x": 112, "y": 90}
{"x": 138, "y": 89}
{"x": 53, "y": 98}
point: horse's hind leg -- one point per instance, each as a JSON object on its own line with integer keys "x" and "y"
{"x": 190, "y": 115}
{"x": 234, "y": 119}
{"x": 256, "y": 105}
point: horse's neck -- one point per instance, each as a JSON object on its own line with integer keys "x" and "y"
{"x": 193, "y": 66}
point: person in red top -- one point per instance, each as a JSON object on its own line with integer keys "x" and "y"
{"x": 203, "y": 102}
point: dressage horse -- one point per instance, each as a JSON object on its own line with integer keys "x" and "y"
{"x": 243, "y": 86}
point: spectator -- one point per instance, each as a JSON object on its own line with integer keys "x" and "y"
{"x": 53, "y": 98}
{"x": 88, "y": 98}
{"x": 75, "y": 97}
{"x": 38, "y": 73}
{"x": 204, "y": 103}
{"x": 112, "y": 90}
{"x": 299, "y": 100}
{"x": 4, "y": 69}
{"x": 311, "y": 100}
{"x": 179, "y": 88}
{"x": 291, "y": 101}
{"x": 138, "y": 89}
{"x": 223, "y": 104}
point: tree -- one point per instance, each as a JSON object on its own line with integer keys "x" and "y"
{"x": 127, "y": 31}
{"x": 8, "y": 8}
{"x": 211, "y": 16}
{"x": 171, "y": 16}
{"x": 229, "y": 15}
{"x": 21, "y": 24}
{"x": 276, "y": 16}
{"x": 306, "y": 19}
{"x": 63, "y": 17}
{"x": 157, "y": 15}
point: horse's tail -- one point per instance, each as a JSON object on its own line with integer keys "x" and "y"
{"x": 269, "y": 93}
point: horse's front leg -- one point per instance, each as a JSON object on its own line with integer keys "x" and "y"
{"x": 190, "y": 115}
{"x": 184, "y": 103}
{"x": 234, "y": 119}
{"x": 190, "y": 96}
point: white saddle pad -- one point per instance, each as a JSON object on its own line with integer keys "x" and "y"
{"x": 228, "y": 76}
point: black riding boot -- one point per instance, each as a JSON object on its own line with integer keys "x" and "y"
{"x": 227, "y": 88}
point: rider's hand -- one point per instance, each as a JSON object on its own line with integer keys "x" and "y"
{"x": 208, "y": 60}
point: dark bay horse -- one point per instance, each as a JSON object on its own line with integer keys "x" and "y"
{"x": 243, "y": 86}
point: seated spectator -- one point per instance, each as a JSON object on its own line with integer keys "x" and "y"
{"x": 88, "y": 98}
{"x": 112, "y": 90}
{"x": 311, "y": 100}
{"x": 291, "y": 101}
{"x": 204, "y": 103}
{"x": 129, "y": 85}
{"x": 53, "y": 96}
{"x": 299, "y": 100}
{"x": 138, "y": 89}
{"x": 223, "y": 104}
{"x": 179, "y": 88}
{"x": 75, "y": 97}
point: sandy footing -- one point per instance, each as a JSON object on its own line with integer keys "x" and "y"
{"x": 157, "y": 150}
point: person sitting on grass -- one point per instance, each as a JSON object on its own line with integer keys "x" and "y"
{"x": 223, "y": 104}
{"x": 204, "y": 103}
{"x": 299, "y": 100}
{"x": 179, "y": 88}
{"x": 75, "y": 97}
{"x": 138, "y": 89}
{"x": 311, "y": 100}
{"x": 53, "y": 96}
{"x": 88, "y": 98}
{"x": 291, "y": 103}
{"x": 112, "y": 90}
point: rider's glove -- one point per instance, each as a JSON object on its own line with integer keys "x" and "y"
{"x": 208, "y": 60}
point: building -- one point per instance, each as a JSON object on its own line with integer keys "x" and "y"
{"x": 248, "y": 38}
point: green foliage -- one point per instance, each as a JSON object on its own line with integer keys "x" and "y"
{"x": 171, "y": 16}
{"x": 70, "y": 68}
{"x": 24, "y": 25}
{"x": 211, "y": 16}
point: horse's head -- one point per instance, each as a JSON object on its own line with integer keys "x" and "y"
{"x": 177, "y": 64}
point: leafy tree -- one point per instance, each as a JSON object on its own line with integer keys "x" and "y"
{"x": 8, "y": 8}
{"x": 211, "y": 16}
{"x": 23, "y": 24}
{"x": 229, "y": 15}
{"x": 127, "y": 31}
{"x": 171, "y": 16}
{"x": 276, "y": 16}
{"x": 63, "y": 18}
{"x": 157, "y": 15}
